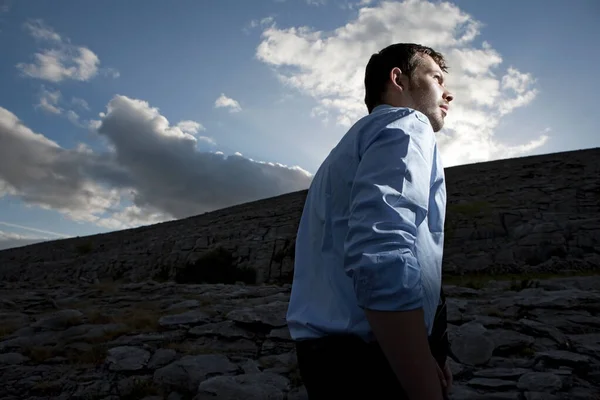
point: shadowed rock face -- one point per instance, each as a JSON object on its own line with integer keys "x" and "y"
{"x": 152, "y": 340}
{"x": 538, "y": 213}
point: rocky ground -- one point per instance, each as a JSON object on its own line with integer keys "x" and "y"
{"x": 154, "y": 340}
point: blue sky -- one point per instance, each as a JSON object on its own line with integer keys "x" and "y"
{"x": 118, "y": 114}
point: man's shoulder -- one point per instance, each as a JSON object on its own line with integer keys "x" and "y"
{"x": 386, "y": 116}
{"x": 409, "y": 121}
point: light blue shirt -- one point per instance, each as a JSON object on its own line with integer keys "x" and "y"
{"x": 371, "y": 233}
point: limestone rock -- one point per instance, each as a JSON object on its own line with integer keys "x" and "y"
{"x": 59, "y": 320}
{"x": 162, "y": 357}
{"x": 127, "y": 358}
{"x": 193, "y": 317}
{"x": 226, "y": 329}
{"x": 187, "y": 373}
{"x": 471, "y": 345}
{"x": 259, "y": 386}
{"x": 539, "y": 382}
{"x": 272, "y": 314}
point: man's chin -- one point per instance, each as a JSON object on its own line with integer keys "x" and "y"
{"x": 436, "y": 123}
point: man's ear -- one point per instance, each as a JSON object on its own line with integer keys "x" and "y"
{"x": 398, "y": 79}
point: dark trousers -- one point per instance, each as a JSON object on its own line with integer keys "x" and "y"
{"x": 344, "y": 366}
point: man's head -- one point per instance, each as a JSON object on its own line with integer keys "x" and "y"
{"x": 409, "y": 75}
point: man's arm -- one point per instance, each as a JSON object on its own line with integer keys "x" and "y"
{"x": 389, "y": 200}
{"x": 403, "y": 339}
{"x": 438, "y": 339}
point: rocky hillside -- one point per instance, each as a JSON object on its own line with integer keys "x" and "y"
{"x": 538, "y": 213}
{"x": 99, "y": 318}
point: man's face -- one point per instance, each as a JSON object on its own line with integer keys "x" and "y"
{"x": 427, "y": 92}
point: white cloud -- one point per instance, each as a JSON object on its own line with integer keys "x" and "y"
{"x": 255, "y": 23}
{"x": 227, "y": 102}
{"x": 61, "y": 60}
{"x": 520, "y": 84}
{"x": 329, "y": 66}
{"x": 151, "y": 171}
{"x": 73, "y": 117}
{"x": 111, "y": 72}
{"x": 10, "y": 240}
{"x": 42, "y": 173}
{"x": 192, "y": 127}
{"x": 134, "y": 216}
{"x": 170, "y": 174}
{"x": 80, "y": 103}
{"x": 55, "y": 65}
{"x": 48, "y": 101}
{"x": 38, "y": 30}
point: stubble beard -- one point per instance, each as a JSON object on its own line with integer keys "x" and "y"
{"x": 436, "y": 119}
{"x": 421, "y": 103}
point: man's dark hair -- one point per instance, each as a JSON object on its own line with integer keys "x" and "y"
{"x": 405, "y": 56}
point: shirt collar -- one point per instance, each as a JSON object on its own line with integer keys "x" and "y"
{"x": 381, "y": 107}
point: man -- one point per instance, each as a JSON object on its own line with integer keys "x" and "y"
{"x": 367, "y": 275}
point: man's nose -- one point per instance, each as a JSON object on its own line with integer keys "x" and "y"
{"x": 448, "y": 96}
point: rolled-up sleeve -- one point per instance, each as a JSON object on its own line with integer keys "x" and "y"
{"x": 389, "y": 200}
